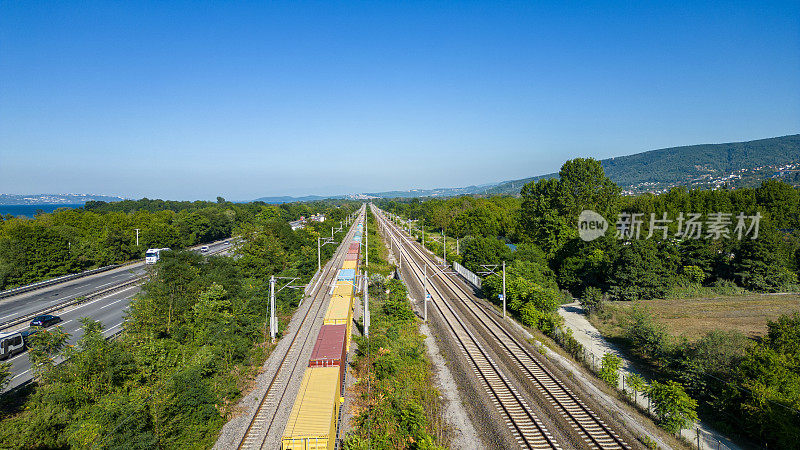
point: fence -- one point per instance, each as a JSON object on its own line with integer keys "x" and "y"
{"x": 469, "y": 276}
{"x": 699, "y": 438}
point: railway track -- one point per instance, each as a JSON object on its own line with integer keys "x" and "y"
{"x": 583, "y": 421}
{"x": 526, "y": 428}
{"x": 263, "y": 421}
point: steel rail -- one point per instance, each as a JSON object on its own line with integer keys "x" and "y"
{"x": 591, "y": 428}
{"x": 527, "y": 427}
{"x": 252, "y": 436}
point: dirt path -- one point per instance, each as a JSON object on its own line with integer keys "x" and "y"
{"x": 596, "y": 345}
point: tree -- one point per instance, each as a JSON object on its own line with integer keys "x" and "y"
{"x": 592, "y": 299}
{"x": 674, "y": 408}
{"x": 694, "y": 274}
{"x": 645, "y": 335}
{"x": 550, "y": 207}
{"x": 478, "y": 251}
{"x": 636, "y": 383}
{"x": 5, "y": 374}
{"x": 476, "y": 222}
{"x": 45, "y": 345}
{"x": 644, "y": 270}
{"x": 609, "y": 369}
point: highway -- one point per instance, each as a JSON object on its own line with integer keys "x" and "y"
{"x": 109, "y": 309}
{"x": 34, "y": 301}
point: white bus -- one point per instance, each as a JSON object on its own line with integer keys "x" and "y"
{"x": 152, "y": 255}
{"x": 11, "y": 343}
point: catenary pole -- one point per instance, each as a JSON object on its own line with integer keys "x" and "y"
{"x": 504, "y": 289}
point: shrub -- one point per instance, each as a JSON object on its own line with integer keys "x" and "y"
{"x": 609, "y": 369}
{"x": 674, "y": 408}
{"x": 592, "y": 299}
{"x": 646, "y": 336}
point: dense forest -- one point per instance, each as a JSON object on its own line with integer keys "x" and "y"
{"x": 753, "y": 388}
{"x": 188, "y": 349}
{"x": 99, "y": 234}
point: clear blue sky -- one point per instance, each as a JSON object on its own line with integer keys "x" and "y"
{"x": 198, "y": 99}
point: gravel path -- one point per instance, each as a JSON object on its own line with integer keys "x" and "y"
{"x": 463, "y": 434}
{"x": 233, "y": 431}
{"x": 596, "y": 345}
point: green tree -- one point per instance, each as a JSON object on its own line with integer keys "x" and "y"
{"x": 647, "y": 337}
{"x": 478, "y": 251}
{"x": 636, "y": 383}
{"x": 674, "y": 408}
{"x": 44, "y": 346}
{"x": 5, "y": 374}
{"x": 644, "y": 270}
{"x": 694, "y": 274}
{"x": 592, "y": 299}
{"x": 609, "y": 369}
{"x": 550, "y": 207}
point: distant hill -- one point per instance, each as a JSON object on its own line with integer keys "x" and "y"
{"x": 705, "y": 165}
{"x": 697, "y": 166}
{"x": 288, "y": 199}
{"x": 54, "y": 199}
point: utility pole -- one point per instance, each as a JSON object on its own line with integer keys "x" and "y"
{"x": 319, "y": 256}
{"x": 366, "y": 305}
{"x": 366, "y": 240}
{"x": 444, "y": 247}
{"x": 137, "y": 237}
{"x": 504, "y": 289}
{"x": 273, "y": 322}
{"x": 425, "y": 293}
{"x": 458, "y": 252}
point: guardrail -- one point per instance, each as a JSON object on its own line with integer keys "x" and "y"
{"x": 80, "y": 299}
{"x": 70, "y": 302}
{"x": 62, "y": 279}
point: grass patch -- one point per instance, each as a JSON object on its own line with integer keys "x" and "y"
{"x": 694, "y": 317}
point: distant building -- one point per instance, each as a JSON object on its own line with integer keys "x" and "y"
{"x": 318, "y": 218}
{"x": 297, "y": 224}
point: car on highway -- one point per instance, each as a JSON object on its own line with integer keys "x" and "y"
{"x": 204, "y": 249}
{"x": 45, "y": 320}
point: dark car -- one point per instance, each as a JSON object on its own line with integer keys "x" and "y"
{"x": 45, "y": 320}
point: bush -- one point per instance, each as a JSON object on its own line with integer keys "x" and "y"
{"x": 592, "y": 299}
{"x": 609, "y": 369}
{"x": 674, "y": 408}
{"x": 647, "y": 337}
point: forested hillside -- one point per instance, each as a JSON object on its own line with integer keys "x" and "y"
{"x": 749, "y": 388}
{"x": 700, "y": 165}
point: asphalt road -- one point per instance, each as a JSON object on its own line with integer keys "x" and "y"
{"x": 109, "y": 310}
{"x": 31, "y": 302}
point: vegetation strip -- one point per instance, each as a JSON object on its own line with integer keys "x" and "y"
{"x": 187, "y": 352}
{"x": 397, "y": 405}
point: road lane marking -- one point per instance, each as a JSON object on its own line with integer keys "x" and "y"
{"x": 104, "y": 297}
{"x": 113, "y": 303}
{"x": 21, "y": 374}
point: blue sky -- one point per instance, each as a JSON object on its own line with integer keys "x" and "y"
{"x": 245, "y": 99}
